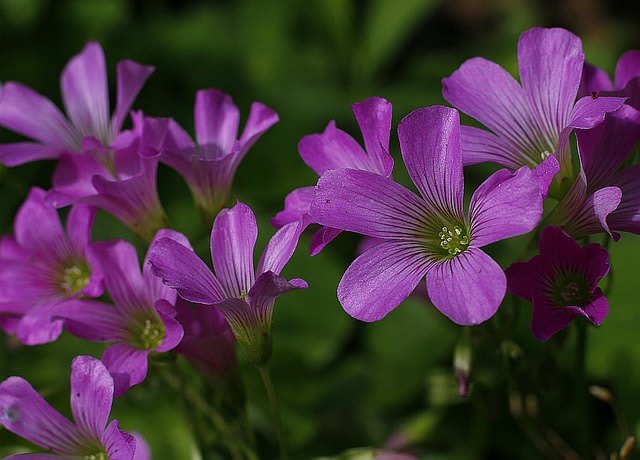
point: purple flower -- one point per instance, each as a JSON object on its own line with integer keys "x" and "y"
{"x": 86, "y": 99}
{"x": 244, "y": 295}
{"x": 209, "y": 166}
{"x": 334, "y": 149}
{"x": 25, "y": 413}
{"x": 209, "y": 345}
{"x": 141, "y": 319}
{"x": 606, "y": 195}
{"x": 428, "y": 235}
{"x": 42, "y": 268}
{"x": 561, "y": 283}
{"x": 532, "y": 121}
{"x": 626, "y": 80}
{"x": 120, "y": 179}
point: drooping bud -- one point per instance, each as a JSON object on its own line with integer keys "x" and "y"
{"x": 462, "y": 359}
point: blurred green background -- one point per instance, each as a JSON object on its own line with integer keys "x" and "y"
{"x": 343, "y": 384}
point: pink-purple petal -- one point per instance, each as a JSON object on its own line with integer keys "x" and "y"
{"x": 91, "y": 394}
{"x": 233, "y": 238}
{"x": 468, "y": 288}
{"x": 119, "y": 444}
{"x": 26, "y": 414}
{"x": 374, "y": 119}
{"x": 382, "y": 278}
{"x": 26, "y": 112}
{"x": 18, "y": 153}
{"x": 296, "y": 204}
{"x": 593, "y": 79}
{"x": 506, "y": 204}
{"x": 332, "y": 149}
{"x": 321, "y": 238}
{"x": 269, "y": 286}
{"x": 550, "y": 63}
{"x": 480, "y": 145}
{"x": 86, "y": 94}
{"x": 172, "y": 328}
{"x": 628, "y": 67}
{"x": 128, "y": 366}
{"x": 131, "y": 78}
{"x": 367, "y": 203}
{"x": 216, "y": 119}
{"x": 37, "y": 224}
{"x": 91, "y": 320}
{"x": 180, "y": 268}
{"x": 430, "y": 145}
{"x": 280, "y": 248}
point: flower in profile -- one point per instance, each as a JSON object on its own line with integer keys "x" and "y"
{"x": 626, "y": 79}
{"x": 209, "y": 345}
{"x": 244, "y": 295}
{"x": 532, "y": 121}
{"x": 209, "y": 165}
{"x": 140, "y": 321}
{"x": 428, "y": 235}
{"x": 606, "y": 195}
{"x": 25, "y": 413}
{"x": 42, "y": 268}
{"x": 86, "y": 99}
{"x": 120, "y": 180}
{"x": 561, "y": 283}
{"x": 334, "y": 149}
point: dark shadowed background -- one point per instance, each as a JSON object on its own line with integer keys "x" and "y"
{"x": 342, "y": 383}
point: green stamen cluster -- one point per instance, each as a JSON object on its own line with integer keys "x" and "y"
{"x": 96, "y": 456}
{"x": 149, "y": 333}
{"x": 74, "y": 278}
{"x": 453, "y": 241}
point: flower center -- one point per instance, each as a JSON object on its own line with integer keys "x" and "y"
{"x": 96, "y": 456}
{"x": 453, "y": 240}
{"x": 148, "y": 333}
{"x": 74, "y": 278}
{"x": 571, "y": 289}
{"x": 544, "y": 155}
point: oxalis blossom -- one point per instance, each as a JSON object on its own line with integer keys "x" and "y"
{"x": 428, "y": 235}
{"x": 42, "y": 268}
{"x": 333, "y": 149}
{"x": 244, "y": 295}
{"x": 140, "y": 321}
{"x": 561, "y": 283}
{"x": 86, "y": 99}
{"x": 25, "y": 413}
{"x": 532, "y": 121}
{"x": 209, "y": 165}
{"x": 125, "y": 186}
{"x": 626, "y": 79}
{"x": 606, "y": 195}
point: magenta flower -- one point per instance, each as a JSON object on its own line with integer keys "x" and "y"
{"x": 208, "y": 167}
{"x": 42, "y": 268}
{"x": 86, "y": 99}
{"x": 26, "y": 414}
{"x": 334, "y": 149}
{"x": 606, "y": 196}
{"x": 119, "y": 179}
{"x": 244, "y": 295}
{"x": 140, "y": 321}
{"x": 626, "y": 79}
{"x": 532, "y": 121}
{"x": 428, "y": 235}
{"x": 561, "y": 283}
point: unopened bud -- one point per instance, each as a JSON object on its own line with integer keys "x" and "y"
{"x": 627, "y": 447}
{"x": 462, "y": 359}
{"x": 601, "y": 393}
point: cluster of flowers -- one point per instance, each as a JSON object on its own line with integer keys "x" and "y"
{"x": 50, "y": 277}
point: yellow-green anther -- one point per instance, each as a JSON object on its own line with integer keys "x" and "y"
{"x": 453, "y": 241}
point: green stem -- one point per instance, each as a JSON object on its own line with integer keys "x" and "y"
{"x": 271, "y": 394}
{"x": 236, "y": 447}
{"x": 583, "y": 400}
